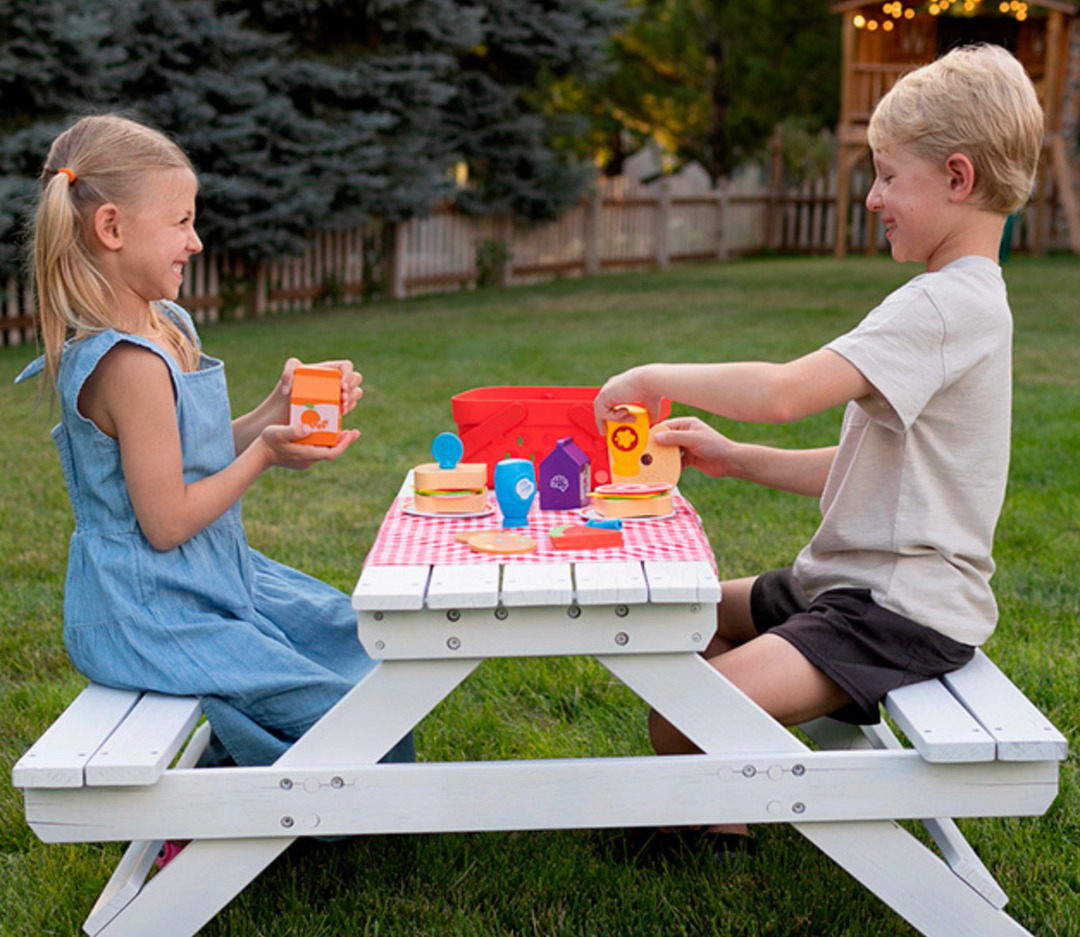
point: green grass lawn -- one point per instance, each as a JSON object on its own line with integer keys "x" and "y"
{"x": 415, "y": 355}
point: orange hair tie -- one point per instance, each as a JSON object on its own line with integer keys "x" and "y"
{"x": 69, "y": 173}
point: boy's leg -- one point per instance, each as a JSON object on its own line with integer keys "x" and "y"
{"x": 768, "y": 669}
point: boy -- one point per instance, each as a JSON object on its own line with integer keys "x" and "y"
{"x": 894, "y": 586}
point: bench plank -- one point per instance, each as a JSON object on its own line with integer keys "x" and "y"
{"x": 142, "y": 747}
{"x": 59, "y": 757}
{"x": 1021, "y": 732}
{"x": 939, "y": 727}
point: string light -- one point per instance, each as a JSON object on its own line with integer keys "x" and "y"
{"x": 895, "y": 10}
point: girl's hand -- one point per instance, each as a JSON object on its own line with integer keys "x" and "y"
{"x": 702, "y": 446}
{"x": 351, "y": 392}
{"x": 283, "y": 446}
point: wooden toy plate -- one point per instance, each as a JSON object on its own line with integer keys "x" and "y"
{"x": 409, "y": 508}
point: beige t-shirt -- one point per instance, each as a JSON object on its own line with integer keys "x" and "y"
{"x": 916, "y": 488}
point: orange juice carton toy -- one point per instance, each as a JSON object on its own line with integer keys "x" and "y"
{"x": 449, "y": 486}
{"x": 316, "y": 403}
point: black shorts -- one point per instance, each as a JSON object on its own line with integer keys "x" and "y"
{"x": 865, "y": 649}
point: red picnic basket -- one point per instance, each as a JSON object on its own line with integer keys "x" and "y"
{"x": 497, "y": 423}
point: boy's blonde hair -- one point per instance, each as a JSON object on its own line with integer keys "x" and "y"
{"x": 97, "y": 160}
{"x": 978, "y": 101}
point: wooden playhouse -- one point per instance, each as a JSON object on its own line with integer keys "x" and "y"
{"x": 883, "y": 40}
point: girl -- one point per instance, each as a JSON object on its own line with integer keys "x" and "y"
{"x": 163, "y": 592}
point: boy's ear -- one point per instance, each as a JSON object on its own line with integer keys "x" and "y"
{"x": 961, "y": 175}
{"x": 106, "y": 225}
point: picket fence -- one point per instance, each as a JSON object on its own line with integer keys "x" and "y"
{"x": 624, "y": 225}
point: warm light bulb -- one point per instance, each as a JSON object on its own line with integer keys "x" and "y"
{"x": 887, "y": 25}
{"x": 860, "y": 21}
{"x": 909, "y": 14}
{"x": 872, "y": 25}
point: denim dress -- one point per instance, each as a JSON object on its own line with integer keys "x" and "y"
{"x": 267, "y": 649}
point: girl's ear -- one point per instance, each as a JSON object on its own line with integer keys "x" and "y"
{"x": 961, "y": 175}
{"x": 107, "y": 226}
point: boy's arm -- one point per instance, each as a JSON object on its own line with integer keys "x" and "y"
{"x": 801, "y": 471}
{"x": 748, "y": 391}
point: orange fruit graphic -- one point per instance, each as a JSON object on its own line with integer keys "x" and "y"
{"x": 310, "y": 417}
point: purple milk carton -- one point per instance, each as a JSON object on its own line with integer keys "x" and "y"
{"x": 564, "y": 480}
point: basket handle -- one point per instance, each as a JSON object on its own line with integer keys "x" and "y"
{"x": 496, "y": 425}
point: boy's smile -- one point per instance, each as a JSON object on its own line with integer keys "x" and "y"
{"x": 912, "y": 196}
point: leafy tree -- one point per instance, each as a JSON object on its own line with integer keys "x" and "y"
{"x": 310, "y": 114}
{"x": 711, "y": 78}
{"x": 54, "y": 57}
{"x": 512, "y": 127}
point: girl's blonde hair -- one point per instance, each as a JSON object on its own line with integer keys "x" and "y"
{"x": 98, "y": 160}
{"x": 978, "y": 101}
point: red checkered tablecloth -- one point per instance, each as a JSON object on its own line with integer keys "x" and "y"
{"x": 406, "y": 539}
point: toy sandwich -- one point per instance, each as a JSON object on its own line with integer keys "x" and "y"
{"x": 449, "y": 486}
{"x": 643, "y": 472}
{"x": 632, "y": 500}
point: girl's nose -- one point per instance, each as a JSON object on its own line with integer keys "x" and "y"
{"x": 195, "y": 244}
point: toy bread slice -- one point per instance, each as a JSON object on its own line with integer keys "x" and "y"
{"x": 460, "y": 490}
{"x": 465, "y": 476}
{"x": 656, "y": 465}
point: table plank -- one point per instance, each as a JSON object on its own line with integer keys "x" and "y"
{"x": 621, "y": 583}
{"x": 391, "y": 588}
{"x": 464, "y": 586}
{"x": 536, "y": 584}
{"x": 681, "y": 582}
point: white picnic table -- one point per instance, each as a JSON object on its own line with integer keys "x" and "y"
{"x": 978, "y": 748}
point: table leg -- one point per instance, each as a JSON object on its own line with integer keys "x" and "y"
{"x": 360, "y": 729}
{"x": 880, "y": 854}
{"x": 910, "y": 879}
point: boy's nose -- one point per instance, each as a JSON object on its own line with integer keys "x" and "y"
{"x": 873, "y": 199}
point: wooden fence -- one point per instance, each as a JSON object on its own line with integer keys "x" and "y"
{"x": 624, "y": 225}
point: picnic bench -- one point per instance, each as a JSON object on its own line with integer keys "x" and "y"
{"x": 121, "y": 766}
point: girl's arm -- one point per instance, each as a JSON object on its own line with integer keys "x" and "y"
{"x": 169, "y": 510}
{"x": 274, "y": 410}
{"x": 802, "y": 471}
{"x": 751, "y": 391}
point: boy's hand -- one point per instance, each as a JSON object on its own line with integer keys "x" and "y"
{"x": 628, "y": 387}
{"x": 283, "y": 446}
{"x": 702, "y": 446}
